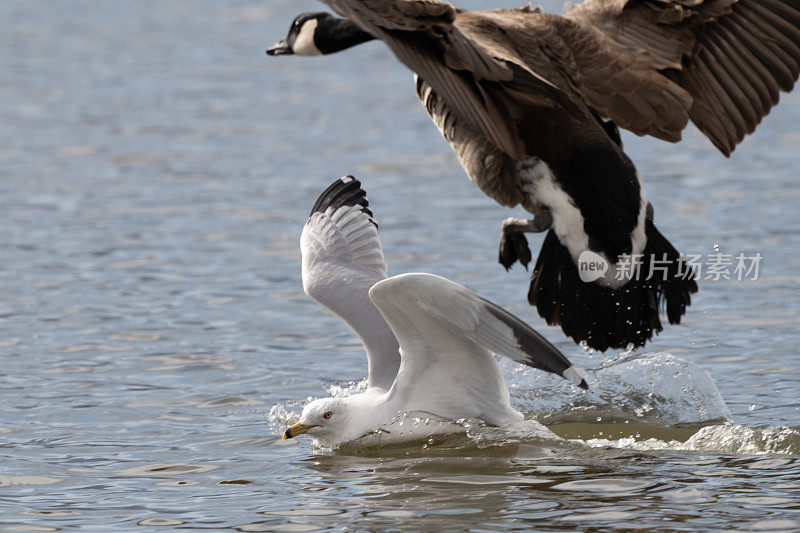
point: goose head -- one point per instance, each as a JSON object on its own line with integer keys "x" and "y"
{"x": 320, "y": 33}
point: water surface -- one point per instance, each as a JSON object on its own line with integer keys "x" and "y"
{"x": 155, "y": 172}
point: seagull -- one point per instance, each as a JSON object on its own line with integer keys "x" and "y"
{"x": 429, "y": 341}
{"x": 531, "y": 103}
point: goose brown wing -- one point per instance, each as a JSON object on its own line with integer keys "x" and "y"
{"x": 733, "y": 57}
{"x": 423, "y": 36}
{"x": 489, "y": 168}
{"x": 404, "y": 15}
{"x": 585, "y": 65}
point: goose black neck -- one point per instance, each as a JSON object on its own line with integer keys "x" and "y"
{"x": 335, "y": 34}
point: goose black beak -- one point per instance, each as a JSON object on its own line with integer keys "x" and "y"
{"x": 281, "y": 48}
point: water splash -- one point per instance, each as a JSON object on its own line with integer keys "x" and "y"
{"x": 651, "y": 402}
{"x": 338, "y": 390}
{"x": 656, "y": 388}
{"x": 722, "y": 438}
{"x": 282, "y": 414}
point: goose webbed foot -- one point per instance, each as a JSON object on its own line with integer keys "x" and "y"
{"x": 514, "y": 245}
{"x": 513, "y": 248}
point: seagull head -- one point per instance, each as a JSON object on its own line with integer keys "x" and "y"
{"x": 302, "y": 36}
{"x": 325, "y": 420}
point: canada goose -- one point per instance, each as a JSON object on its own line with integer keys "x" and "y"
{"x": 429, "y": 341}
{"x": 530, "y": 102}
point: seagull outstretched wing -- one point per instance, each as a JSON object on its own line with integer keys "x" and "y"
{"x": 446, "y": 335}
{"x": 342, "y": 259}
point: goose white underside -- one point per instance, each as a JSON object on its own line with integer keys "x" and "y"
{"x": 568, "y": 222}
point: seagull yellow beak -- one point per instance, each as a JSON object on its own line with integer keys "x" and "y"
{"x": 295, "y": 430}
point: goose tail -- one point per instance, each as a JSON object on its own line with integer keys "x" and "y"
{"x": 606, "y": 317}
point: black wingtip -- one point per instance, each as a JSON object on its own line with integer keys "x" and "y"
{"x": 345, "y": 191}
{"x": 542, "y": 354}
{"x": 583, "y": 385}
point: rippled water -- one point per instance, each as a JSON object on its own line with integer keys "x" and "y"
{"x": 156, "y": 170}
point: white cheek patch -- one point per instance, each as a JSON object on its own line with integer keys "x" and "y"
{"x": 304, "y": 43}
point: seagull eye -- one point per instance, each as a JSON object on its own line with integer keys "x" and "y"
{"x": 327, "y": 415}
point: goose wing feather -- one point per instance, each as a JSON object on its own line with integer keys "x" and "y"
{"x": 423, "y": 35}
{"x": 733, "y": 57}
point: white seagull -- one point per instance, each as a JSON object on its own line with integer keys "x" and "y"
{"x": 429, "y": 341}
